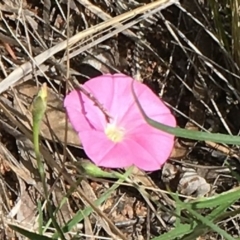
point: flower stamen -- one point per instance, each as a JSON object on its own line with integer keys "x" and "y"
{"x": 114, "y": 133}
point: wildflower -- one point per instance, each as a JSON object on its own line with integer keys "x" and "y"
{"x": 125, "y": 138}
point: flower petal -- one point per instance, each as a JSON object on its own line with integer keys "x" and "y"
{"x": 73, "y": 104}
{"x": 158, "y": 144}
{"x": 143, "y": 146}
{"x": 82, "y": 112}
{"x": 152, "y": 105}
{"x": 124, "y": 154}
{"x": 112, "y": 155}
{"x": 146, "y": 148}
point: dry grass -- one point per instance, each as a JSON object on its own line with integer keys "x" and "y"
{"x": 176, "y": 52}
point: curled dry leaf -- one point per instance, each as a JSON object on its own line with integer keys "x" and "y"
{"x": 185, "y": 180}
{"x": 191, "y": 184}
{"x": 169, "y": 172}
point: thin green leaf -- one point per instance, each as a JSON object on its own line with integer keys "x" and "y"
{"x": 28, "y": 234}
{"x": 182, "y": 230}
{"x": 207, "y": 222}
{"x": 201, "y": 229}
{"x": 189, "y": 134}
{"x": 216, "y": 200}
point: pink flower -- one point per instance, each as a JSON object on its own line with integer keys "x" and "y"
{"x": 127, "y": 139}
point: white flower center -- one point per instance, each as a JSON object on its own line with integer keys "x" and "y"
{"x": 114, "y": 133}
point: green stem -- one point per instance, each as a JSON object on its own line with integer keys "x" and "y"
{"x": 39, "y": 107}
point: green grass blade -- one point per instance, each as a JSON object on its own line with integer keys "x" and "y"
{"x": 182, "y": 230}
{"x": 30, "y": 235}
{"x": 189, "y": 134}
{"x": 216, "y": 200}
{"x": 207, "y": 222}
{"x": 216, "y": 214}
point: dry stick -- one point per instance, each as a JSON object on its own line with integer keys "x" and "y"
{"x": 123, "y": 28}
{"x": 59, "y": 66}
{"x": 46, "y": 18}
{"x": 96, "y": 102}
{"x": 127, "y": 32}
{"x": 26, "y": 68}
{"x": 66, "y": 85}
